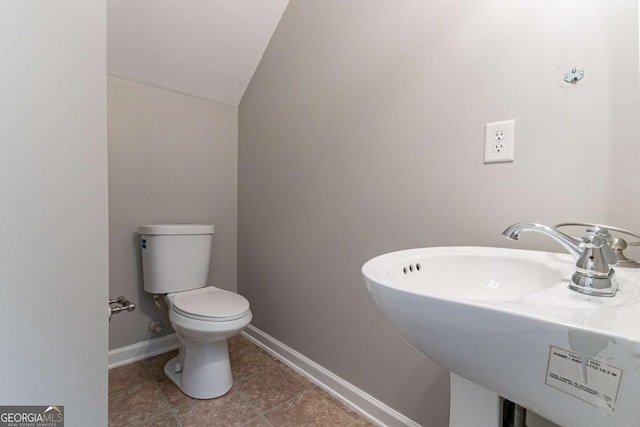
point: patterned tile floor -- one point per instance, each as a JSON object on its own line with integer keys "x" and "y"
{"x": 266, "y": 393}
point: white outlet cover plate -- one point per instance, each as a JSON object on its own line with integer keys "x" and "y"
{"x": 495, "y": 150}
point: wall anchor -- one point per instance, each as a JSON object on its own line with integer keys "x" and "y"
{"x": 574, "y": 76}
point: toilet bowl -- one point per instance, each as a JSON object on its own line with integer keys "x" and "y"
{"x": 175, "y": 261}
{"x": 203, "y": 320}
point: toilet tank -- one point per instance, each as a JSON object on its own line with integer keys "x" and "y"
{"x": 175, "y": 257}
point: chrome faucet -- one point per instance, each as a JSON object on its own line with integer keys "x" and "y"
{"x": 594, "y": 274}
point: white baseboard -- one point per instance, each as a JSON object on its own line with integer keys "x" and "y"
{"x": 142, "y": 350}
{"x": 376, "y": 411}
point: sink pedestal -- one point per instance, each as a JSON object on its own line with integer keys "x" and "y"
{"x": 473, "y": 405}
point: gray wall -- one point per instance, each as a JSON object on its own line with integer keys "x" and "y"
{"x": 362, "y": 133}
{"x": 172, "y": 158}
{"x": 53, "y": 215}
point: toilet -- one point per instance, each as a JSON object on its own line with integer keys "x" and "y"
{"x": 175, "y": 264}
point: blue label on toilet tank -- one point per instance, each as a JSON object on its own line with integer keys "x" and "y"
{"x": 143, "y": 242}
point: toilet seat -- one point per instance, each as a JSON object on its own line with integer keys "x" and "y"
{"x": 210, "y": 304}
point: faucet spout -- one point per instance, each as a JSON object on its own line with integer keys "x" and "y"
{"x": 569, "y": 243}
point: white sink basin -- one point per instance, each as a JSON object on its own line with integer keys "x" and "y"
{"x": 505, "y": 320}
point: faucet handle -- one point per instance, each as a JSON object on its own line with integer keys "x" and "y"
{"x": 599, "y": 238}
{"x": 618, "y": 244}
{"x": 594, "y": 274}
{"x": 596, "y": 237}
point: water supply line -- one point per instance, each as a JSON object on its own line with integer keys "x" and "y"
{"x": 160, "y": 302}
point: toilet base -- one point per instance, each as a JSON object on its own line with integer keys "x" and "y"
{"x": 203, "y": 371}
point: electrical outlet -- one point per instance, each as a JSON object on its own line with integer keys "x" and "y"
{"x": 499, "y": 138}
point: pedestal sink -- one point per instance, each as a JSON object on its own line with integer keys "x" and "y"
{"x": 504, "y": 319}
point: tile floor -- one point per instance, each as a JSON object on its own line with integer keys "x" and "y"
{"x": 265, "y": 393}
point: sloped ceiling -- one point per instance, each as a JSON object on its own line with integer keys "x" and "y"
{"x": 205, "y": 48}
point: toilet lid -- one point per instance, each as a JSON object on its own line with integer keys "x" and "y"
{"x": 211, "y": 303}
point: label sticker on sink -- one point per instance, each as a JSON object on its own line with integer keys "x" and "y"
{"x": 590, "y": 380}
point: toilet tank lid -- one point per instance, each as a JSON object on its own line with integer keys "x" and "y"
{"x": 167, "y": 229}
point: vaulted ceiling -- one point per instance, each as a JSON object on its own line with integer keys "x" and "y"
{"x": 205, "y": 48}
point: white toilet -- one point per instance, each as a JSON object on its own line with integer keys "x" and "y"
{"x": 175, "y": 264}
